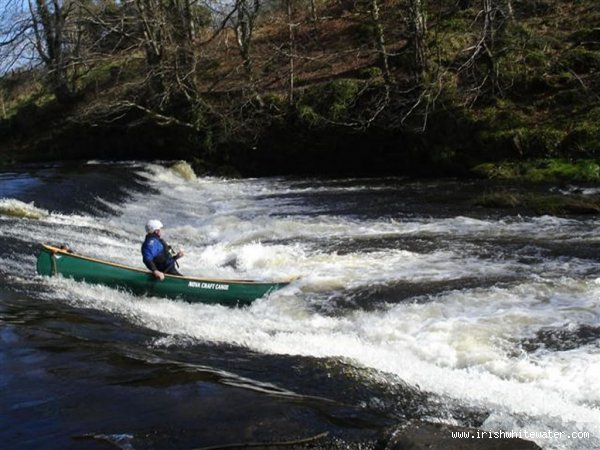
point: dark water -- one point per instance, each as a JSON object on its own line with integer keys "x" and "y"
{"x": 412, "y": 304}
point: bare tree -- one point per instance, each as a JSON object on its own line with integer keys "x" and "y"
{"x": 41, "y": 31}
{"x": 166, "y": 40}
{"x": 15, "y": 36}
{"x": 48, "y": 21}
{"x": 509, "y": 10}
{"x": 418, "y": 28}
{"x": 58, "y": 35}
{"x": 380, "y": 40}
{"x": 493, "y": 17}
{"x": 313, "y": 11}
{"x": 247, "y": 13}
{"x": 292, "y": 49}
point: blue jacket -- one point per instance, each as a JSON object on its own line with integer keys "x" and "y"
{"x": 155, "y": 253}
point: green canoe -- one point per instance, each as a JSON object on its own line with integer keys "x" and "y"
{"x": 54, "y": 261}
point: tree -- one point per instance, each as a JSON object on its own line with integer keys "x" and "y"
{"x": 380, "y": 40}
{"x": 166, "y": 37}
{"x": 42, "y": 31}
{"x": 247, "y": 13}
{"x": 482, "y": 64}
{"x": 65, "y": 37}
{"x": 58, "y": 37}
{"x": 291, "y": 49}
{"x": 418, "y": 28}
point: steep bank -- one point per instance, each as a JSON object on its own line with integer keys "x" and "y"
{"x": 524, "y": 89}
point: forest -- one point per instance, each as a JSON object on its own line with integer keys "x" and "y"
{"x": 497, "y": 88}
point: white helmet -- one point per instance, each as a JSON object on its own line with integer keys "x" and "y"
{"x": 153, "y": 225}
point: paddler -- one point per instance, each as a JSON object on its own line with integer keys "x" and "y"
{"x": 157, "y": 254}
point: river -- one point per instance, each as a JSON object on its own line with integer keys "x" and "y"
{"x": 411, "y": 303}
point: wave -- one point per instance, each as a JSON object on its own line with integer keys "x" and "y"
{"x": 462, "y": 344}
{"x": 16, "y": 208}
{"x": 184, "y": 170}
{"x": 461, "y": 341}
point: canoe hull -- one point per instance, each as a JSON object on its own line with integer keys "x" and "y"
{"x": 53, "y": 261}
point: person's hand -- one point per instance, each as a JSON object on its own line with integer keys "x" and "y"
{"x": 158, "y": 275}
{"x": 179, "y": 254}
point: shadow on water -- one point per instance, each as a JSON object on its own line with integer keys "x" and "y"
{"x": 75, "y": 377}
{"x": 72, "y": 188}
{"x": 377, "y": 296}
{"x": 70, "y": 372}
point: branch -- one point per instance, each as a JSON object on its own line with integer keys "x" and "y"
{"x": 221, "y": 27}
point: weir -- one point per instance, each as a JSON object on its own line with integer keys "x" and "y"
{"x": 405, "y": 291}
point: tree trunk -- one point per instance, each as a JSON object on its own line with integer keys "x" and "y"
{"x": 313, "y": 11}
{"x": 3, "y": 105}
{"x": 189, "y": 20}
{"x": 166, "y": 28}
{"x": 247, "y": 14}
{"x": 291, "y": 51}
{"x": 418, "y": 25}
{"x": 380, "y": 41}
{"x": 49, "y": 28}
{"x": 510, "y": 12}
{"x": 148, "y": 12}
{"x": 489, "y": 37}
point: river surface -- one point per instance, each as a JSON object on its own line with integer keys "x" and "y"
{"x": 412, "y": 304}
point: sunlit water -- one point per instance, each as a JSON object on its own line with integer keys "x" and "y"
{"x": 410, "y": 303}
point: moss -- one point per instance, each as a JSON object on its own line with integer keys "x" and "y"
{"x": 562, "y": 205}
{"x": 501, "y": 199}
{"x": 503, "y": 116}
{"x": 539, "y": 142}
{"x": 331, "y": 101}
{"x": 536, "y": 58}
{"x": 564, "y": 78}
{"x": 459, "y": 22}
{"x": 537, "y": 171}
{"x": 583, "y": 140}
{"x": 505, "y": 142}
{"x": 369, "y": 73}
{"x": 570, "y": 97}
{"x": 110, "y": 72}
{"x": 535, "y": 7}
{"x": 100, "y": 75}
{"x": 29, "y": 104}
{"x": 308, "y": 115}
{"x": 541, "y": 204}
{"x": 588, "y": 38}
{"x": 580, "y": 60}
{"x": 449, "y": 46}
{"x": 501, "y": 171}
{"x": 593, "y": 115}
{"x": 275, "y": 101}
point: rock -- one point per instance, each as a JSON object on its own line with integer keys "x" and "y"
{"x": 435, "y": 436}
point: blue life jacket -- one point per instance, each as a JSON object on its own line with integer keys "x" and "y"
{"x": 155, "y": 253}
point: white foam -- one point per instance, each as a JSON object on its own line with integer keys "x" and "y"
{"x": 458, "y": 345}
{"x": 464, "y": 344}
{"x": 16, "y": 208}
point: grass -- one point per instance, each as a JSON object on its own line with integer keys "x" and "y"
{"x": 541, "y": 171}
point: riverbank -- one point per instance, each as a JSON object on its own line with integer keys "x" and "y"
{"x": 341, "y": 103}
